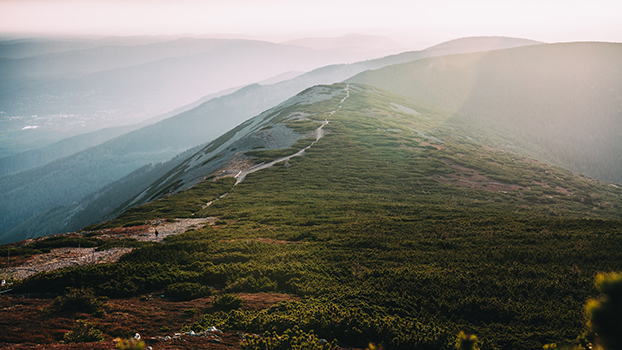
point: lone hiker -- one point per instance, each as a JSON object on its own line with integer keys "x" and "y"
{"x": 156, "y": 232}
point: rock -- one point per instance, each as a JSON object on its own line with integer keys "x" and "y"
{"x": 213, "y": 329}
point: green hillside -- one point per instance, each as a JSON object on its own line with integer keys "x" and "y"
{"x": 77, "y": 190}
{"x": 559, "y": 103}
{"x": 393, "y": 228}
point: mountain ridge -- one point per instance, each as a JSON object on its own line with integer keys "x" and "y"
{"x": 232, "y": 109}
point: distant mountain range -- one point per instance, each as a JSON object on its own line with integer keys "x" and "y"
{"x": 65, "y": 182}
{"x": 352, "y": 43}
{"x": 111, "y": 83}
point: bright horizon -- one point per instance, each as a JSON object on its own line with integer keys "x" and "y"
{"x": 410, "y": 22}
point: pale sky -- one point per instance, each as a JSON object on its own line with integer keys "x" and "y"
{"x": 278, "y": 20}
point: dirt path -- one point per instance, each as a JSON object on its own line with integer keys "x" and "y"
{"x": 319, "y": 132}
{"x": 71, "y": 256}
{"x": 63, "y": 257}
{"x": 166, "y": 229}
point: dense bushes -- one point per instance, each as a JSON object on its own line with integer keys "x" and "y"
{"x": 252, "y": 284}
{"x": 78, "y": 300}
{"x": 114, "y": 280}
{"x": 186, "y": 291}
{"x": 353, "y": 325}
{"x": 228, "y": 302}
{"x": 290, "y": 339}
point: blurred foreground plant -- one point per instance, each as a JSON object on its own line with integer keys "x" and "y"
{"x": 466, "y": 341}
{"x": 605, "y": 313}
{"x": 129, "y": 344}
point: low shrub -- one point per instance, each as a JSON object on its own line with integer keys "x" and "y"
{"x": 186, "y": 291}
{"x": 190, "y": 312}
{"x": 84, "y": 332}
{"x": 78, "y": 300}
{"x": 228, "y": 301}
{"x": 252, "y": 284}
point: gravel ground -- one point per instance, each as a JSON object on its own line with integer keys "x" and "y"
{"x": 71, "y": 256}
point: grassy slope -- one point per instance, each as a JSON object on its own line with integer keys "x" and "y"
{"x": 382, "y": 251}
{"x": 559, "y": 102}
{"x": 37, "y": 201}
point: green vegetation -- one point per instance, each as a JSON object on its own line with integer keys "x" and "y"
{"x": 290, "y": 339}
{"x": 84, "y": 332}
{"x": 392, "y": 229}
{"x": 47, "y": 244}
{"x": 265, "y": 156}
{"x": 180, "y": 206}
{"x": 557, "y": 102}
{"x": 186, "y": 291}
{"x": 228, "y": 302}
{"x": 78, "y": 300}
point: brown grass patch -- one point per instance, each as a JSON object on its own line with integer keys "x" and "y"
{"x": 26, "y": 324}
{"x": 470, "y": 178}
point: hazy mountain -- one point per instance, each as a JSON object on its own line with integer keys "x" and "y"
{"x": 68, "y": 146}
{"x": 370, "y": 44}
{"x": 483, "y": 43}
{"x": 21, "y": 48}
{"x": 68, "y": 180}
{"x": 72, "y": 63}
{"x": 559, "y": 103}
{"x": 30, "y": 47}
{"x": 40, "y": 156}
{"x": 46, "y": 98}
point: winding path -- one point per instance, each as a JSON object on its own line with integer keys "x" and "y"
{"x": 319, "y": 132}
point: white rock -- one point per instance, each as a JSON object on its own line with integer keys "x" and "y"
{"x": 213, "y": 329}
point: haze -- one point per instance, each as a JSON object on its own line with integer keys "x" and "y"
{"x": 411, "y": 22}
